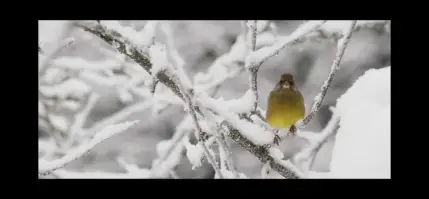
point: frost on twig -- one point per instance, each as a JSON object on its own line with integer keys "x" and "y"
{"x": 46, "y": 167}
{"x": 342, "y": 44}
{"x": 257, "y": 58}
{"x": 81, "y": 118}
{"x": 227, "y": 165}
{"x": 305, "y": 157}
{"x": 44, "y": 60}
{"x": 170, "y": 151}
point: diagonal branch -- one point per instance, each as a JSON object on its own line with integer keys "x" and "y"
{"x": 46, "y": 167}
{"x": 334, "y": 68}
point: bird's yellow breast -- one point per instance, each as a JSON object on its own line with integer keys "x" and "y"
{"x": 285, "y": 107}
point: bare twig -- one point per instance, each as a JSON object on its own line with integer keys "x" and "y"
{"x": 46, "y": 167}
{"x": 334, "y": 68}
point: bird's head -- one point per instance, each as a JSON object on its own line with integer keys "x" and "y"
{"x": 286, "y": 81}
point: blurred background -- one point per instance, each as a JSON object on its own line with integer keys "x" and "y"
{"x": 89, "y": 84}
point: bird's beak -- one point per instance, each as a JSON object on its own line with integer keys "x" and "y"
{"x": 286, "y": 85}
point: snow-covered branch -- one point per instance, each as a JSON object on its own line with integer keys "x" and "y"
{"x": 135, "y": 52}
{"x": 257, "y": 58}
{"x": 342, "y": 44}
{"x": 60, "y": 42}
{"x": 252, "y": 25}
{"x": 306, "y": 156}
{"x": 170, "y": 151}
{"x": 46, "y": 167}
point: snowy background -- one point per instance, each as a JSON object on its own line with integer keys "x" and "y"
{"x": 89, "y": 85}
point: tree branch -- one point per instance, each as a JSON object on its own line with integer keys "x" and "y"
{"x": 307, "y": 155}
{"x": 334, "y": 68}
{"x": 46, "y": 167}
{"x": 125, "y": 47}
{"x": 253, "y": 70}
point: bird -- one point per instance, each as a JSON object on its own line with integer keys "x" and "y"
{"x": 285, "y": 104}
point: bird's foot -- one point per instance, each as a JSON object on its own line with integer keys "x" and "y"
{"x": 277, "y": 138}
{"x": 292, "y": 131}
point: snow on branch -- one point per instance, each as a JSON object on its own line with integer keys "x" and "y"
{"x": 133, "y": 51}
{"x": 342, "y": 44}
{"x": 306, "y": 156}
{"x": 250, "y": 136}
{"x": 170, "y": 150}
{"x": 124, "y": 40}
{"x": 46, "y": 167}
{"x": 137, "y": 54}
{"x": 255, "y": 59}
{"x": 60, "y": 42}
{"x": 227, "y": 166}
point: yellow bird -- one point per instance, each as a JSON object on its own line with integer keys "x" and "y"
{"x": 285, "y": 103}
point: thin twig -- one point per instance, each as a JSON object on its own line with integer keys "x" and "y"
{"x": 223, "y": 145}
{"x": 81, "y": 118}
{"x": 253, "y": 70}
{"x": 307, "y": 155}
{"x": 120, "y": 115}
{"x": 46, "y": 167}
{"x": 201, "y": 137}
{"x": 334, "y": 68}
{"x": 44, "y": 62}
{"x": 275, "y": 49}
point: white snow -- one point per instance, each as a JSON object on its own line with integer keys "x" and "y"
{"x": 158, "y": 58}
{"x": 226, "y": 174}
{"x": 53, "y": 75}
{"x": 129, "y": 33}
{"x": 108, "y": 132}
{"x": 147, "y": 35}
{"x": 194, "y": 153}
{"x": 250, "y": 23}
{"x": 125, "y": 96}
{"x": 70, "y": 105}
{"x": 362, "y": 146}
{"x": 265, "y": 39}
{"x": 241, "y": 105}
{"x": 276, "y": 153}
{"x": 179, "y": 61}
{"x": 162, "y": 146}
{"x": 42, "y": 109}
{"x": 71, "y": 87}
{"x": 253, "y": 132}
{"x": 59, "y": 122}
